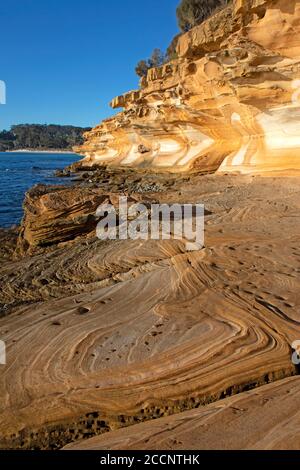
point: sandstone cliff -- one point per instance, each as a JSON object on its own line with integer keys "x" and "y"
{"x": 230, "y": 102}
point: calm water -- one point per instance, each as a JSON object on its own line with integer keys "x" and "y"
{"x": 20, "y": 171}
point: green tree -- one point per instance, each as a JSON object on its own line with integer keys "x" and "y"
{"x": 171, "y": 53}
{"x": 142, "y": 68}
{"x": 157, "y": 59}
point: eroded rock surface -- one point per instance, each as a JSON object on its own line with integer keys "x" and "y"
{"x": 262, "y": 419}
{"x": 102, "y": 335}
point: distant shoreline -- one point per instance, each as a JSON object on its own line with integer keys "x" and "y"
{"x": 40, "y": 151}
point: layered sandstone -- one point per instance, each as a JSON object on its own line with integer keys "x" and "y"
{"x": 230, "y": 102}
{"x": 56, "y": 214}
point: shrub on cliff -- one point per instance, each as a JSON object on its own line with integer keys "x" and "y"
{"x": 189, "y": 14}
{"x": 193, "y": 12}
{"x": 157, "y": 59}
{"x": 142, "y": 68}
{"x": 171, "y": 51}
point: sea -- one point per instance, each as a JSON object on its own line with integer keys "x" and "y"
{"x": 21, "y": 171}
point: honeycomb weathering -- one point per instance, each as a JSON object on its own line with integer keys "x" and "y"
{"x": 230, "y": 102}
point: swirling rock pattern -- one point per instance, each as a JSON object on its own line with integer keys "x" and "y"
{"x": 229, "y": 103}
{"x": 101, "y": 335}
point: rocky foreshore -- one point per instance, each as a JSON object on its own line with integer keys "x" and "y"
{"x": 102, "y": 335}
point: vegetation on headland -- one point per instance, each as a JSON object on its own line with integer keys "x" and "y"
{"x": 41, "y": 137}
{"x": 189, "y": 13}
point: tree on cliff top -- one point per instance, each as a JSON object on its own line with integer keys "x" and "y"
{"x": 142, "y": 68}
{"x": 171, "y": 53}
{"x": 189, "y": 14}
{"x": 156, "y": 60}
{"x": 193, "y": 12}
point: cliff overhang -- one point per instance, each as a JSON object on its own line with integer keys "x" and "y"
{"x": 229, "y": 103}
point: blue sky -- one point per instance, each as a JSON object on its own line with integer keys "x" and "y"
{"x": 64, "y": 60}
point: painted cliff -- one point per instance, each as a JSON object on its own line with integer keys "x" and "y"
{"x": 229, "y": 103}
